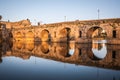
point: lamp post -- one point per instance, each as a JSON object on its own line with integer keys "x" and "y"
{"x": 98, "y": 13}
{"x": 65, "y": 18}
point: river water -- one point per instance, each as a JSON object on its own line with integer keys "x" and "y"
{"x": 59, "y": 61}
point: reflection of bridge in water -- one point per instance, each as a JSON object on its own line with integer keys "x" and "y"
{"x": 99, "y": 55}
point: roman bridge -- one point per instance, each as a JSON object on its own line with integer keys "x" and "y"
{"x": 78, "y": 31}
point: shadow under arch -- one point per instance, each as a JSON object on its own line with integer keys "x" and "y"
{"x": 45, "y": 35}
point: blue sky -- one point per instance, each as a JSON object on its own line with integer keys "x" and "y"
{"x": 50, "y": 11}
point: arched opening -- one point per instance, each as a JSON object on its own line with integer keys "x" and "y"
{"x": 18, "y": 36}
{"x": 45, "y": 47}
{"x": 45, "y": 36}
{"x": 29, "y": 36}
{"x": 65, "y": 34}
{"x": 97, "y": 34}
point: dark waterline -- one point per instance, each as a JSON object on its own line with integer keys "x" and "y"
{"x": 59, "y": 61}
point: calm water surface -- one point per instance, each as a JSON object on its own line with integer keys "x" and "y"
{"x": 59, "y": 61}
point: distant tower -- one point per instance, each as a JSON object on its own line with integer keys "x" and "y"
{"x": 65, "y": 18}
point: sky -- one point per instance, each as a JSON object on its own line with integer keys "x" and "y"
{"x": 52, "y": 11}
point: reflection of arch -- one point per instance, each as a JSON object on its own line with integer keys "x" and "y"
{"x": 45, "y": 35}
{"x": 64, "y": 50}
{"x": 92, "y": 56}
{"x": 65, "y": 33}
{"x": 30, "y": 46}
{"x": 45, "y": 47}
{"x": 19, "y": 45}
{"x": 98, "y": 51}
{"x": 96, "y": 32}
{"x": 71, "y": 52}
{"x": 18, "y": 36}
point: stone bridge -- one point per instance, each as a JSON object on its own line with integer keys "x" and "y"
{"x": 78, "y": 31}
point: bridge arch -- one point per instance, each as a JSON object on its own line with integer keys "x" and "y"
{"x": 29, "y": 36}
{"x": 45, "y": 35}
{"x": 65, "y": 34}
{"x": 96, "y": 33}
